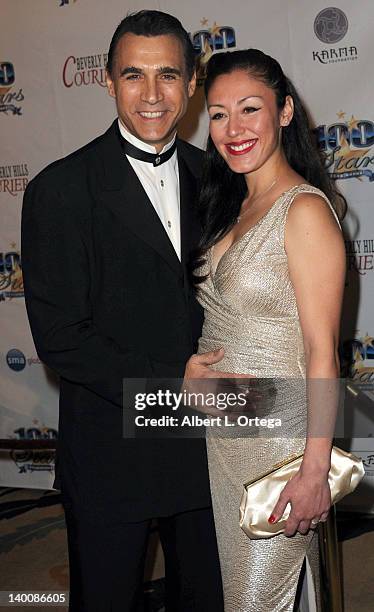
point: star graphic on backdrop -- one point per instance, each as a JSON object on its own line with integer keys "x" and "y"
{"x": 353, "y": 123}
{"x": 367, "y": 340}
{"x": 13, "y": 245}
{"x": 357, "y": 357}
{"x": 204, "y": 21}
{"x": 215, "y": 30}
{"x": 341, "y": 114}
{"x": 35, "y": 421}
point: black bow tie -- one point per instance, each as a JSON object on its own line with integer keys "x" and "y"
{"x": 153, "y": 158}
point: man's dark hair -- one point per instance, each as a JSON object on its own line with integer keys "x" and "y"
{"x": 153, "y": 23}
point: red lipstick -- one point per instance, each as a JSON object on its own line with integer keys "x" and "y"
{"x": 245, "y": 146}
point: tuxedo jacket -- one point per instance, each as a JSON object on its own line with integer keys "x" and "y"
{"x": 108, "y": 299}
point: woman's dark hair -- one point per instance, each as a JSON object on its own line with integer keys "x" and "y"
{"x": 223, "y": 190}
{"x": 153, "y": 23}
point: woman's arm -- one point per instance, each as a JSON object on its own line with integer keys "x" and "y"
{"x": 316, "y": 260}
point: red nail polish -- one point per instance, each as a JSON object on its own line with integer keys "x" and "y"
{"x": 271, "y": 519}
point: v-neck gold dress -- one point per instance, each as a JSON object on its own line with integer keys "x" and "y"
{"x": 250, "y": 311}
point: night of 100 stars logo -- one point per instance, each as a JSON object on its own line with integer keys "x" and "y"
{"x": 347, "y": 145}
{"x": 11, "y": 280}
{"x": 9, "y": 100}
{"x": 34, "y": 461}
{"x": 209, "y": 40}
{"x": 358, "y": 359}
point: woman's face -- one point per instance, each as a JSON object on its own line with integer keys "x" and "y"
{"x": 245, "y": 121}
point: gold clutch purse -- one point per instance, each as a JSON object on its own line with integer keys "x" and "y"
{"x": 261, "y": 495}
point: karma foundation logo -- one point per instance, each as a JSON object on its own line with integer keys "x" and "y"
{"x": 330, "y": 27}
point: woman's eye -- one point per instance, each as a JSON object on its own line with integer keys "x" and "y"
{"x": 250, "y": 109}
{"x": 216, "y": 116}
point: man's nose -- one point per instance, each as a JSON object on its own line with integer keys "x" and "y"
{"x": 151, "y": 92}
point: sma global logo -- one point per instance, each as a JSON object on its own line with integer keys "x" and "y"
{"x": 16, "y": 360}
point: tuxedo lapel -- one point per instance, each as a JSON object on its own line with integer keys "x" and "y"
{"x": 123, "y": 193}
{"x": 189, "y": 223}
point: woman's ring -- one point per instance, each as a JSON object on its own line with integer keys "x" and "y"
{"x": 314, "y": 522}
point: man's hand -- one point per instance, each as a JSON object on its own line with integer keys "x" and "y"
{"x": 201, "y": 379}
{"x": 198, "y": 366}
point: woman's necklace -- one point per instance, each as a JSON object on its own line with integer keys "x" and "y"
{"x": 240, "y": 217}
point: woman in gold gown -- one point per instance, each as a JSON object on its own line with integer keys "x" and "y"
{"x": 270, "y": 278}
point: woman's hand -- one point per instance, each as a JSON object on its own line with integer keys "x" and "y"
{"x": 309, "y": 494}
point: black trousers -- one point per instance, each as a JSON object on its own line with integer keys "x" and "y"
{"x": 107, "y": 564}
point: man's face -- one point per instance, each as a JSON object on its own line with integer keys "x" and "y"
{"x": 151, "y": 86}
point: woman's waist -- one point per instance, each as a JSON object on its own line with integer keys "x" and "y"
{"x": 256, "y": 353}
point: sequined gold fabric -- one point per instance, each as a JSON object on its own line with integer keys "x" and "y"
{"x": 251, "y": 311}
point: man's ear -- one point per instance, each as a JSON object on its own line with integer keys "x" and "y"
{"x": 110, "y": 85}
{"x": 192, "y": 85}
{"x": 287, "y": 112}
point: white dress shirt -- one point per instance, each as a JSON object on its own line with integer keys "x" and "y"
{"x": 161, "y": 184}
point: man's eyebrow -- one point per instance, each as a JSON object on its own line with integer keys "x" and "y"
{"x": 169, "y": 70}
{"x": 130, "y": 70}
{"x": 161, "y": 70}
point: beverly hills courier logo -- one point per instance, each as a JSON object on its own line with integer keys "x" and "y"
{"x": 360, "y": 256}
{"x": 330, "y": 27}
{"x": 13, "y": 178}
{"x": 85, "y": 70}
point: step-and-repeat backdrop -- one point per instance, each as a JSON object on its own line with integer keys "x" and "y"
{"x": 53, "y": 100}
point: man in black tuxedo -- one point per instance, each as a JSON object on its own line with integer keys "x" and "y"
{"x": 106, "y": 237}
